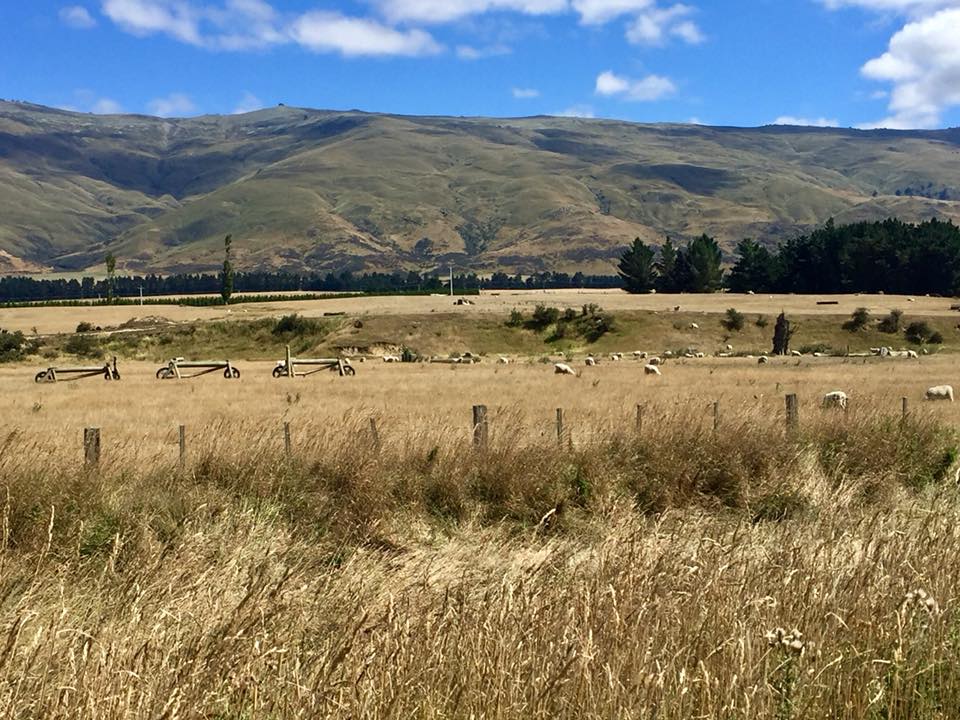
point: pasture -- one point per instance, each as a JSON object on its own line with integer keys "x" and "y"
{"x": 670, "y": 564}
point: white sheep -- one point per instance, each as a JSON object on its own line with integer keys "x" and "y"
{"x": 391, "y": 358}
{"x": 668, "y": 353}
{"x": 639, "y": 354}
{"x": 796, "y": 353}
{"x": 694, "y": 326}
{"x": 912, "y": 354}
{"x": 591, "y": 362}
{"x": 651, "y": 370}
{"x": 763, "y": 360}
{"x": 614, "y": 357}
{"x": 699, "y": 355}
{"x": 654, "y": 361}
{"x": 835, "y": 399}
{"x": 940, "y": 392}
{"x": 503, "y": 360}
{"x": 563, "y": 369}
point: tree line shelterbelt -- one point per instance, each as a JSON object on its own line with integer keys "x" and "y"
{"x": 15, "y": 289}
{"x": 889, "y": 256}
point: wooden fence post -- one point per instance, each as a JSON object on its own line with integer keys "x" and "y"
{"x": 374, "y": 434}
{"x": 793, "y": 413}
{"x": 183, "y": 445}
{"x": 289, "y": 360}
{"x": 560, "y": 425}
{"x": 716, "y": 415}
{"x": 480, "y": 429}
{"x": 286, "y": 438}
{"x": 91, "y": 446}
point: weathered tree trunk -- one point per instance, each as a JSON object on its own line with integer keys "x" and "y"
{"x": 781, "y": 336}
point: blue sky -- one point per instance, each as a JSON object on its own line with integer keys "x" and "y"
{"x": 863, "y": 63}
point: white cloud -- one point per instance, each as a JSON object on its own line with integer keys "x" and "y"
{"x": 654, "y": 26}
{"x": 576, "y": 111}
{"x": 77, "y": 16}
{"x": 106, "y": 106}
{"x": 805, "y": 122}
{"x": 647, "y": 89}
{"x": 174, "y": 104}
{"x": 443, "y": 11}
{"x": 469, "y": 52}
{"x": 525, "y": 93}
{"x": 329, "y": 32}
{"x": 147, "y": 17}
{"x": 599, "y": 12}
{"x": 248, "y": 103}
{"x": 922, "y": 61}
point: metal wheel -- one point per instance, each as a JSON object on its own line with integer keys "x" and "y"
{"x": 279, "y": 371}
{"x": 40, "y": 376}
{"x": 231, "y": 373}
{"x": 348, "y": 370}
{"x": 116, "y": 374}
{"x": 164, "y": 373}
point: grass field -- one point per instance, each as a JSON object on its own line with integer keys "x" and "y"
{"x": 672, "y": 570}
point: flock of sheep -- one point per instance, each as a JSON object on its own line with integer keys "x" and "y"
{"x": 832, "y": 399}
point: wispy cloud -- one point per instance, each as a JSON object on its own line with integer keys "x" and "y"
{"x": 646, "y": 89}
{"x": 331, "y": 32}
{"x": 77, "y": 16}
{"x": 525, "y": 93}
{"x": 248, "y": 103}
{"x": 469, "y": 52}
{"x": 576, "y": 111}
{"x": 173, "y": 105}
{"x": 805, "y": 122}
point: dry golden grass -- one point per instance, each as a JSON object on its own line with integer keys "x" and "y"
{"x": 614, "y": 575}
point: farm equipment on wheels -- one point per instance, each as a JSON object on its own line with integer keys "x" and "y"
{"x": 175, "y": 368}
{"x": 55, "y": 374}
{"x": 288, "y": 367}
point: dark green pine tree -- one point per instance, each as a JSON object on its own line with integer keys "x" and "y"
{"x": 636, "y": 268}
{"x": 704, "y": 258}
{"x": 226, "y": 277}
{"x": 667, "y": 268}
{"x": 756, "y": 269}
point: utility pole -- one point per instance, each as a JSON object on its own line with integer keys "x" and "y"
{"x": 141, "y": 296}
{"x": 451, "y": 281}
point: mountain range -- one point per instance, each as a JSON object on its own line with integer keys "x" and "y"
{"x": 313, "y": 190}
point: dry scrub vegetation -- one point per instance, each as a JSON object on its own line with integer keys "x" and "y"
{"x": 674, "y": 572}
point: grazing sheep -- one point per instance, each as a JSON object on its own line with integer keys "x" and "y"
{"x": 639, "y": 354}
{"x": 563, "y": 369}
{"x": 590, "y": 361}
{"x": 835, "y": 399}
{"x": 391, "y": 358}
{"x": 689, "y": 356}
{"x": 651, "y": 370}
{"x": 699, "y": 355}
{"x": 694, "y": 326}
{"x": 503, "y": 360}
{"x": 796, "y": 353}
{"x": 654, "y": 361}
{"x": 913, "y": 355}
{"x": 729, "y": 347}
{"x": 940, "y": 392}
{"x": 614, "y": 357}
{"x": 763, "y": 360}
{"x": 668, "y": 354}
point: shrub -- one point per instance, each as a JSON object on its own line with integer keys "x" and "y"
{"x": 891, "y": 323}
{"x": 569, "y": 314}
{"x": 858, "y": 320}
{"x": 83, "y": 346}
{"x": 762, "y": 321}
{"x": 85, "y": 327}
{"x": 919, "y": 332}
{"x": 734, "y": 320}
{"x": 12, "y": 346}
{"x": 516, "y": 319}
{"x": 936, "y": 338}
{"x": 408, "y": 355}
{"x": 297, "y": 325}
{"x": 544, "y": 316}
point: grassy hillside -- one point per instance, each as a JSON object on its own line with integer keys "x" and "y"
{"x": 316, "y": 190}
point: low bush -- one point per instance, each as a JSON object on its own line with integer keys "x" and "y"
{"x": 734, "y": 320}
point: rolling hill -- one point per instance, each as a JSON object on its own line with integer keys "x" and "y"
{"x": 318, "y": 190}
